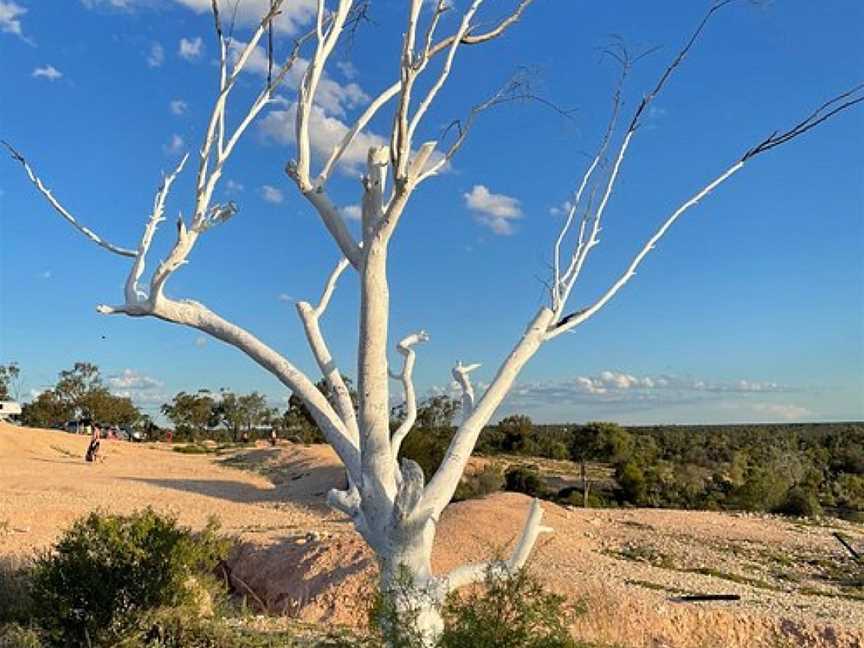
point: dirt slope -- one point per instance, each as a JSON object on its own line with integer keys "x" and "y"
{"x": 298, "y": 558}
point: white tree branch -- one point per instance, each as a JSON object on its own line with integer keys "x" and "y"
{"x": 406, "y": 348}
{"x": 461, "y": 375}
{"x": 475, "y": 573}
{"x": 577, "y": 318}
{"x": 46, "y": 192}
{"x": 133, "y": 294}
{"x": 310, "y": 317}
{"x": 439, "y": 491}
{"x": 196, "y": 315}
{"x": 393, "y": 90}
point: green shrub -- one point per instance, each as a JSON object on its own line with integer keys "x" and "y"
{"x": 488, "y": 480}
{"x": 800, "y": 503}
{"x": 521, "y": 479}
{"x": 18, "y": 636}
{"x": 192, "y": 448}
{"x": 15, "y": 590}
{"x": 631, "y": 481}
{"x": 107, "y": 570}
{"x": 509, "y": 612}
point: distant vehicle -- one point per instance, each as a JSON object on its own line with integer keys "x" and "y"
{"x": 9, "y": 410}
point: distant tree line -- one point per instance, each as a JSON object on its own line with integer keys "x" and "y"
{"x": 799, "y": 469}
{"x": 80, "y": 395}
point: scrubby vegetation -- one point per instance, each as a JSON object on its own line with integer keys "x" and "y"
{"x": 507, "y": 611}
{"x": 143, "y": 581}
{"x": 800, "y": 470}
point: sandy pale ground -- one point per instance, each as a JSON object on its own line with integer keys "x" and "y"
{"x": 627, "y": 567}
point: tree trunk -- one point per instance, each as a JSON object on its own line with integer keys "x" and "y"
{"x": 586, "y": 485}
{"x": 412, "y": 596}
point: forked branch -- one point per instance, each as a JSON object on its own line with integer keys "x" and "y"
{"x": 406, "y": 348}
{"x": 477, "y": 572}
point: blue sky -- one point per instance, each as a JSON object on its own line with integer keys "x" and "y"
{"x": 751, "y": 309}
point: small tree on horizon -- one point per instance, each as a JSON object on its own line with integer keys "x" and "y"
{"x": 392, "y": 504}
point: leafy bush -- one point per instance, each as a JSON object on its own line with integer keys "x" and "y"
{"x": 18, "y": 636}
{"x": 488, "y": 480}
{"x": 509, "y": 612}
{"x": 800, "y": 503}
{"x": 15, "y": 590}
{"x": 631, "y": 481}
{"x": 107, "y": 570}
{"x": 192, "y": 448}
{"x": 521, "y": 479}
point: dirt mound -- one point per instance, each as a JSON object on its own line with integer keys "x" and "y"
{"x": 629, "y": 601}
{"x": 628, "y": 567}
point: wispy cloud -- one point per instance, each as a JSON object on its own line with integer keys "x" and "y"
{"x": 201, "y": 341}
{"x": 272, "y": 195}
{"x": 141, "y": 389}
{"x": 47, "y": 72}
{"x": 233, "y": 187}
{"x": 642, "y": 392}
{"x": 495, "y": 211}
{"x": 178, "y": 106}
{"x": 156, "y": 57}
{"x": 333, "y": 97}
{"x": 285, "y": 298}
{"x": 175, "y": 145}
{"x": 351, "y": 212}
{"x": 191, "y": 49}
{"x": 326, "y": 133}
{"x": 10, "y": 20}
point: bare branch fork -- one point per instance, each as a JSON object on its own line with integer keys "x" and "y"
{"x": 392, "y": 504}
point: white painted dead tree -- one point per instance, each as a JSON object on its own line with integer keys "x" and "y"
{"x": 390, "y": 503}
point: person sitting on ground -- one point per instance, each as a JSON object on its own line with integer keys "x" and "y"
{"x": 92, "y": 455}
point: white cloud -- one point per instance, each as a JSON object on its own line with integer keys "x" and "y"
{"x": 624, "y": 388}
{"x": 562, "y": 209}
{"x": 233, "y": 187}
{"x": 200, "y": 341}
{"x": 156, "y": 57}
{"x": 292, "y": 15}
{"x": 178, "y": 106}
{"x": 351, "y": 212}
{"x": 347, "y": 69}
{"x": 140, "y": 388}
{"x": 175, "y": 145}
{"x": 10, "y": 13}
{"x": 48, "y": 72}
{"x": 326, "y": 132}
{"x": 272, "y": 194}
{"x": 495, "y": 211}
{"x": 127, "y": 5}
{"x": 191, "y": 48}
{"x": 332, "y": 96}
{"x": 785, "y": 411}
{"x": 285, "y": 297}
{"x": 131, "y": 379}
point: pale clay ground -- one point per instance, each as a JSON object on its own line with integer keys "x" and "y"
{"x": 301, "y": 559}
